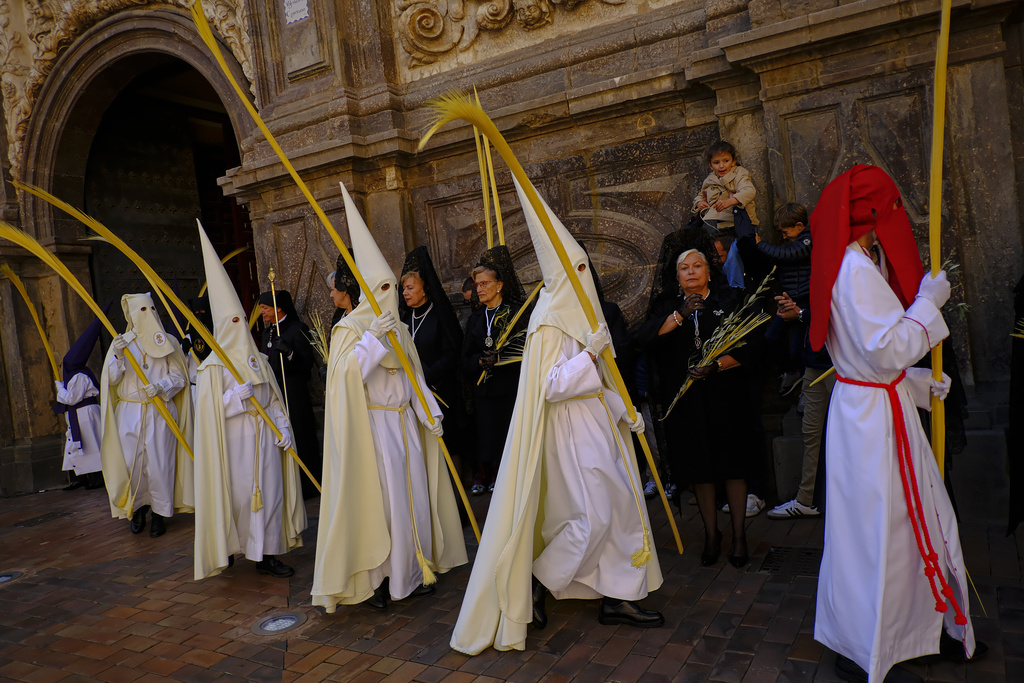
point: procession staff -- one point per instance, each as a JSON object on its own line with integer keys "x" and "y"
{"x": 206, "y": 33}
{"x": 157, "y": 283}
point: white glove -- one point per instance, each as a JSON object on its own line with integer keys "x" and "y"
{"x": 285, "y": 442}
{"x": 60, "y": 386}
{"x": 941, "y": 388}
{"x": 935, "y": 289}
{"x": 120, "y": 343}
{"x": 243, "y": 391}
{"x": 151, "y": 390}
{"x": 636, "y": 426}
{"x": 435, "y": 428}
{"x": 598, "y": 340}
{"x": 384, "y": 323}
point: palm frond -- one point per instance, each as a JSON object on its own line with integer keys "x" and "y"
{"x": 318, "y": 335}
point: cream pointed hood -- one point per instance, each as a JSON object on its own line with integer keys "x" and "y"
{"x": 140, "y": 312}
{"x": 557, "y": 304}
{"x": 376, "y": 272}
{"x": 230, "y": 323}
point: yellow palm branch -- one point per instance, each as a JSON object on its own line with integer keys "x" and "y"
{"x": 18, "y": 285}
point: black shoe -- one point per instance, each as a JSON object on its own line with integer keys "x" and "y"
{"x": 139, "y": 519}
{"x": 629, "y": 613}
{"x": 275, "y": 567}
{"x": 157, "y": 528}
{"x": 740, "y": 561}
{"x": 76, "y": 484}
{"x": 710, "y": 554}
{"x": 952, "y": 650}
{"x": 423, "y": 591}
{"x": 848, "y": 670}
{"x": 540, "y": 594}
{"x": 231, "y": 561}
{"x": 94, "y": 481}
{"x": 379, "y": 599}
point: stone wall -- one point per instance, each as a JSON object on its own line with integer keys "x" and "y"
{"x": 608, "y": 104}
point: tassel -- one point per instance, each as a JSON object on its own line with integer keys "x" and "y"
{"x": 122, "y": 502}
{"x": 429, "y": 578}
{"x": 257, "y": 500}
{"x": 642, "y": 556}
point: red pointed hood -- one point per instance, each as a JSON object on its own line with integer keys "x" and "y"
{"x": 863, "y": 199}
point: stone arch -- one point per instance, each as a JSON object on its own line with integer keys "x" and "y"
{"x": 83, "y": 83}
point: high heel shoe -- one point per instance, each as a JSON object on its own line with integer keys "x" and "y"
{"x": 710, "y": 555}
{"x": 740, "y": 561}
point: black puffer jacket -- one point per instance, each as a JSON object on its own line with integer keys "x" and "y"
{"x": 794, "y": 262}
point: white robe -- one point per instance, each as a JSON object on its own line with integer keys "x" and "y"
{"x": 398, "y": 450}
{"x": 259, "y": 532}
{"x": 149, "y": 445}
{"x": 83, "y": 457}
{"x": 592, "y": 523}
{"x": 874, "y": 603}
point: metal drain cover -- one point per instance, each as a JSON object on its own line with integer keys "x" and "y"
{"x": 8, "y": 575}
{"x": 280, "y": 622}
{"x": 789, "y": 560}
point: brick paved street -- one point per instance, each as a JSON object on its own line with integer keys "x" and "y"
{"x": 97, "y": 603}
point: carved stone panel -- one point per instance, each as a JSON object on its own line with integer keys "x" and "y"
{"x": 811, "y": 146}
{"x": 893, "y": 129}
{"x": 435, "y": 36}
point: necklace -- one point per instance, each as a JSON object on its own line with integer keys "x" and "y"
{"x": 489, "y": 340}
{"x": 413, "y": 327}
{"x": 696, "y": 331}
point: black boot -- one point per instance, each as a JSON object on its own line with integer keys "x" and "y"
{"x": 139, "y": 519}
{"x": 93, "y": 481}
{"x": 157, "y": 528}
{"x": 952, "y": 650}
{"x": 423, "y": 590}
{"x": 379, "y": 599}
{"x": 629, "y": 613}
{"x": 540, "y": 594}
{"x": 848, "y": 670}
{"x": 275, "y": 567}
{"x": 76, "y": 483}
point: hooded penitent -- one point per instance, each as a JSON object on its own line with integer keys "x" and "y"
{"x": 149, "y": 334}
{"x": 355, "y": 538}
{"x": 497, "y": 607}
{"x": 863, "y": 199}
{"x": 218, "y": 532}
{"x": 892, "y": 574}
{"x": 79, "y": 401}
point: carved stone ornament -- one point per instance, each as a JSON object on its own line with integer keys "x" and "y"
{"x": 428, "y": 29}
{"x": 51, "y": 26}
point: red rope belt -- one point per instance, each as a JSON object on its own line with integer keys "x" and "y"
{"x": 913, "y": 497}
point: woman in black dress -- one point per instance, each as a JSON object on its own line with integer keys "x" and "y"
{"x": 495, "y": 397}
{"x": 709, "y": 430}
{"x": 435, "y": 329}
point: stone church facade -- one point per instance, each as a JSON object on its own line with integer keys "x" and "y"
{"x": 608, "y": 104}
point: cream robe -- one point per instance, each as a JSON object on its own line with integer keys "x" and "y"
{"x": 365, "y": 530}
{"x": 874, "y": 603}
{"x": 83, "y": 457}
{"x": 226, "y": 453}
{"x": 589, "y": 518}
{"x": 151, "y": 457}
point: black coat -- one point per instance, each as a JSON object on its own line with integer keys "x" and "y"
{"x": 298, "y": 365}
{"x": 503, "y": 380}
{"x": 439, "y": 348}
{"x": 710, "y": 432}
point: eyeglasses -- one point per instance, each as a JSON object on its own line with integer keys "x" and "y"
{"x": 484, "y": 283}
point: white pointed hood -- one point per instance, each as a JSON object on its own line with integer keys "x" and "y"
{"x": 140, "y": 312}
{"x": 557, "y": 304}
{"x": 376, "y": 272}
{"x": 230, "y": 323}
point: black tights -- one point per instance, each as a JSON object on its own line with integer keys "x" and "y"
{"x": 736, "y": 494}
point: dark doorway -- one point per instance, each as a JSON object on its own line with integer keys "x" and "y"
{"x": 152, "y": 170}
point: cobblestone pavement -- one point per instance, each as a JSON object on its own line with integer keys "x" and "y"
{"x": 97, "y": 603}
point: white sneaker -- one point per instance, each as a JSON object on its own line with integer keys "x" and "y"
{"x": 792, "y": 510}
{"x": 650, "y": 489}
{"x": 754, "y": 505}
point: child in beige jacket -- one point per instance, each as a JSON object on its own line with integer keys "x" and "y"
{"x": 727, "y": 186}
